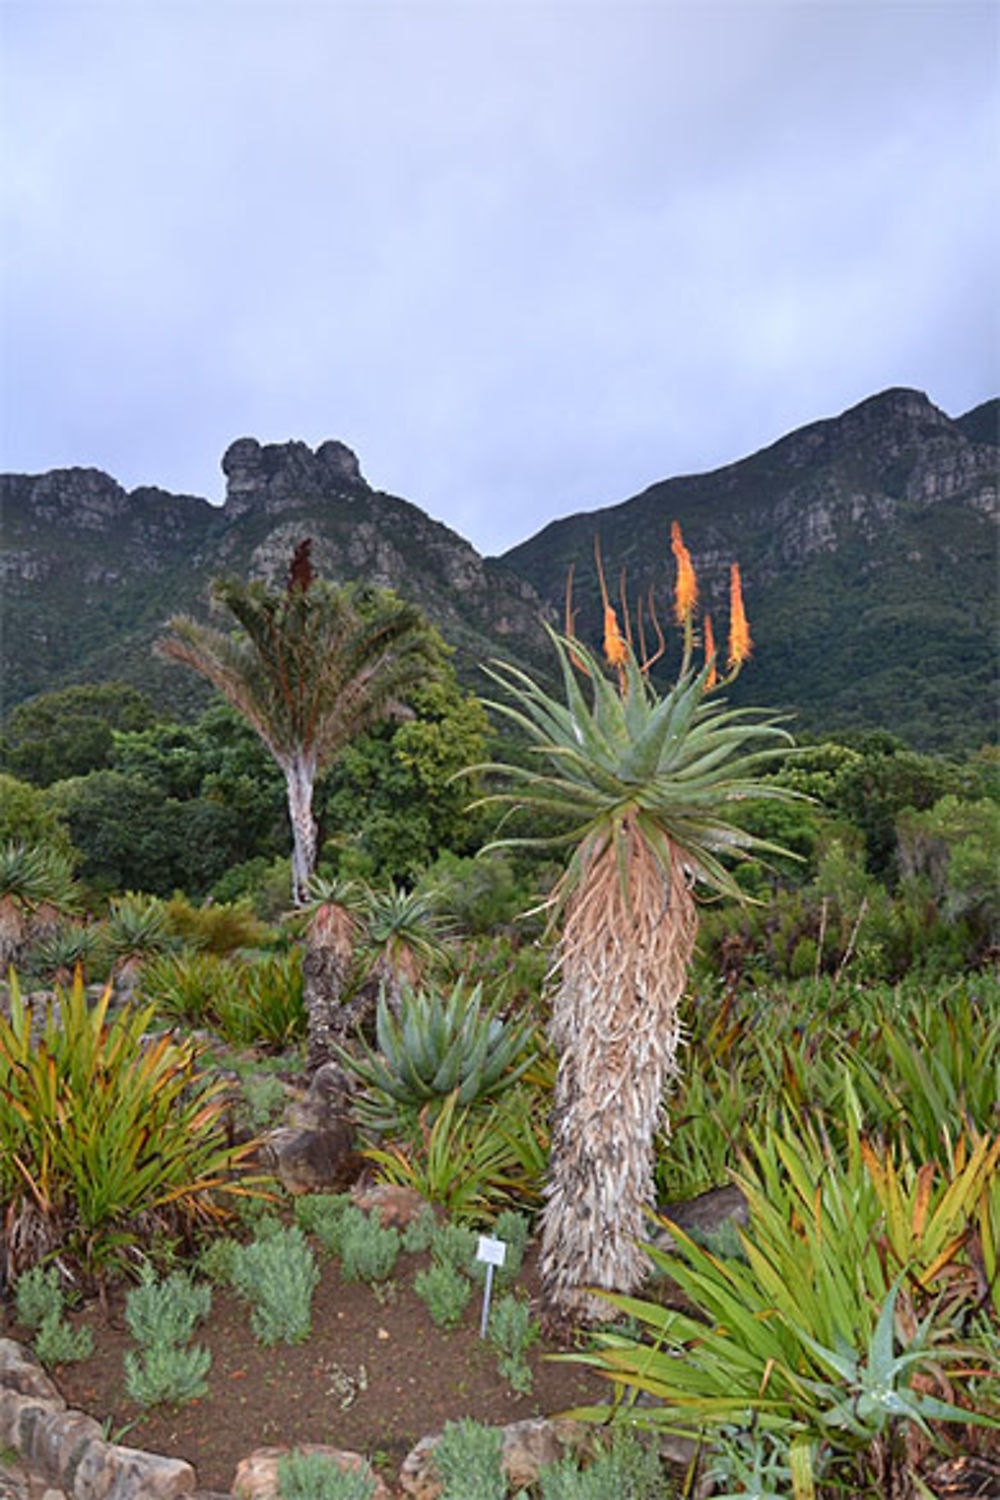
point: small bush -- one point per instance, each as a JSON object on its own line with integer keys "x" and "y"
{"x": 166, "y": 1312}
{"x": 215, "y": 1262}
{"x": 277, "y": 1275}
{"x": 625, "y": 1470}
{"x": 467, "y": 1459}
{"x": 324, "y": 1215}
{"x": 513, "y": 1228}
{"x": 262, "y": 1100}
{"x": 167, "y": 1373}
{"x": 454, "y": 1245}
{"x": 38, "y": 1299}
{"x": 419, "y": 1233}
{"x": 445, "y": 1291}
{"x": 56, "y": 1343}
{"x": 314, "y": 1476}
{"x": 37, "y": 1295}
{"x": 513, "y": 1330}
{"x": 367, "y": 1251}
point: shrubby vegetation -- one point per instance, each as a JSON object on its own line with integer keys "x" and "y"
{"x": 841, "y": 1067}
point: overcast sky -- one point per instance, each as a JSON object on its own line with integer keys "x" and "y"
{"x": 525, "y": 258}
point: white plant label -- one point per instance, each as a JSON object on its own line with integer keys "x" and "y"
{"x": 493, "y": 1252}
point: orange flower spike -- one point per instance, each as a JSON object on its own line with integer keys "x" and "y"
{"x": 686, "y": 587}
{"x": 740, "y": 644}
{"x": 615, "y": 646}
{"x": 712, "y": 677}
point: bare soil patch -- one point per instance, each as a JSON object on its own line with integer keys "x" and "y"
{"x": 375, "y": 1376}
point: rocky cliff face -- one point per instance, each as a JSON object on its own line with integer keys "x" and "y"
{"x": 867, "y": 542}
{"x": 91, "y": 572}
{"x": 868, "y": 546}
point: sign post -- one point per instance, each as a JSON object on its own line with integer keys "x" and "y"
{"x": 494, "y": 1253}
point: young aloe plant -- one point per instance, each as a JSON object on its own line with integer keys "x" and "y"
{"x": 440, "y": 1045}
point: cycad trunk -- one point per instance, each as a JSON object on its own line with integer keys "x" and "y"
{"x": 300, "y": 776}
{"x": 616, "y": 1026}
{"x": 326, "y": 968}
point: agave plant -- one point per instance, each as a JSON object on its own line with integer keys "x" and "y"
{"x": 440, "y": 1045}
{"x": 640, "y": 782}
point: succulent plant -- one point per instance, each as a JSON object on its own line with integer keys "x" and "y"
{"x": 439, "y": 1044}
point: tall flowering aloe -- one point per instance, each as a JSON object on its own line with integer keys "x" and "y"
{"x": 640, "y": 783}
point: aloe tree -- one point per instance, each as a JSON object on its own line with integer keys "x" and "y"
{"x": 310, "y": 668}
{"x": 36, "y": 885}
{"x": 639, "y": 784}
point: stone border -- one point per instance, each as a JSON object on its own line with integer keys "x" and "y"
{"x": 67, "y": 1448}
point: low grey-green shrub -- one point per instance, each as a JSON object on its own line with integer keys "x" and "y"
{"x": 278, "y": 1276}
{"x": 167, "y": 1311}
{"x": 39, "y": 1302}
{"x": 513, "y": 1330}
{"x": 625, "y": 1469}
{"x": 419, "y": 1233}
{"x": 445, "y": 1291}
{"x": 38, "y": 1294}
{"x": 165, "y": 1372}
{"x": 215, "y": 1262}
{"x": 367, "y": 1250}
{"x": 325, "y": 1216}
{"x": 456, "y": 1244}
{"x": 262, "y": 1100}
{"x": 513, "y": 1228}
{"x": 57, "y": 1343}
{"x": 314, "y": 1476}
{"x": 467, "y": 1460}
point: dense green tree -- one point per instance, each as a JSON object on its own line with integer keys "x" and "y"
{"x": 392, "y": 803}
{"x": 955, "y": 847}
{"x": 131, "y": 837}
{"x": 70, "y": 732}
{"x": 219, "y": 759}
{"x": 310, "y": 667}
{"x": 28, "y": 816}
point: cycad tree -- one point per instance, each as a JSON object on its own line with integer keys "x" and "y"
{"x": 641, "y": 783}
{"x": 309, "y": 667}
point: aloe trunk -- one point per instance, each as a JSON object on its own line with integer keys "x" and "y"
{"x": 616, "y": 1027}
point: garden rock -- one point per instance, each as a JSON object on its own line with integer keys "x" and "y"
{"x": 312, "y": 1161}
{"x": 396, "y": 1206}
{"x": 327, "y": 1103}
{"x": 527, "y": 1447}
{"x": 313, "y": 1152}
{"x": 257, "y": 1476}
{"x": 703, "y": 1214}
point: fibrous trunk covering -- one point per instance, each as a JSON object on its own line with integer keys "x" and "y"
{"x": 623, "y": 959}
{"x": 326, "y": 968}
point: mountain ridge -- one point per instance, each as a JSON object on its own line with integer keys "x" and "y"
{"x": 868, "y": 544}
